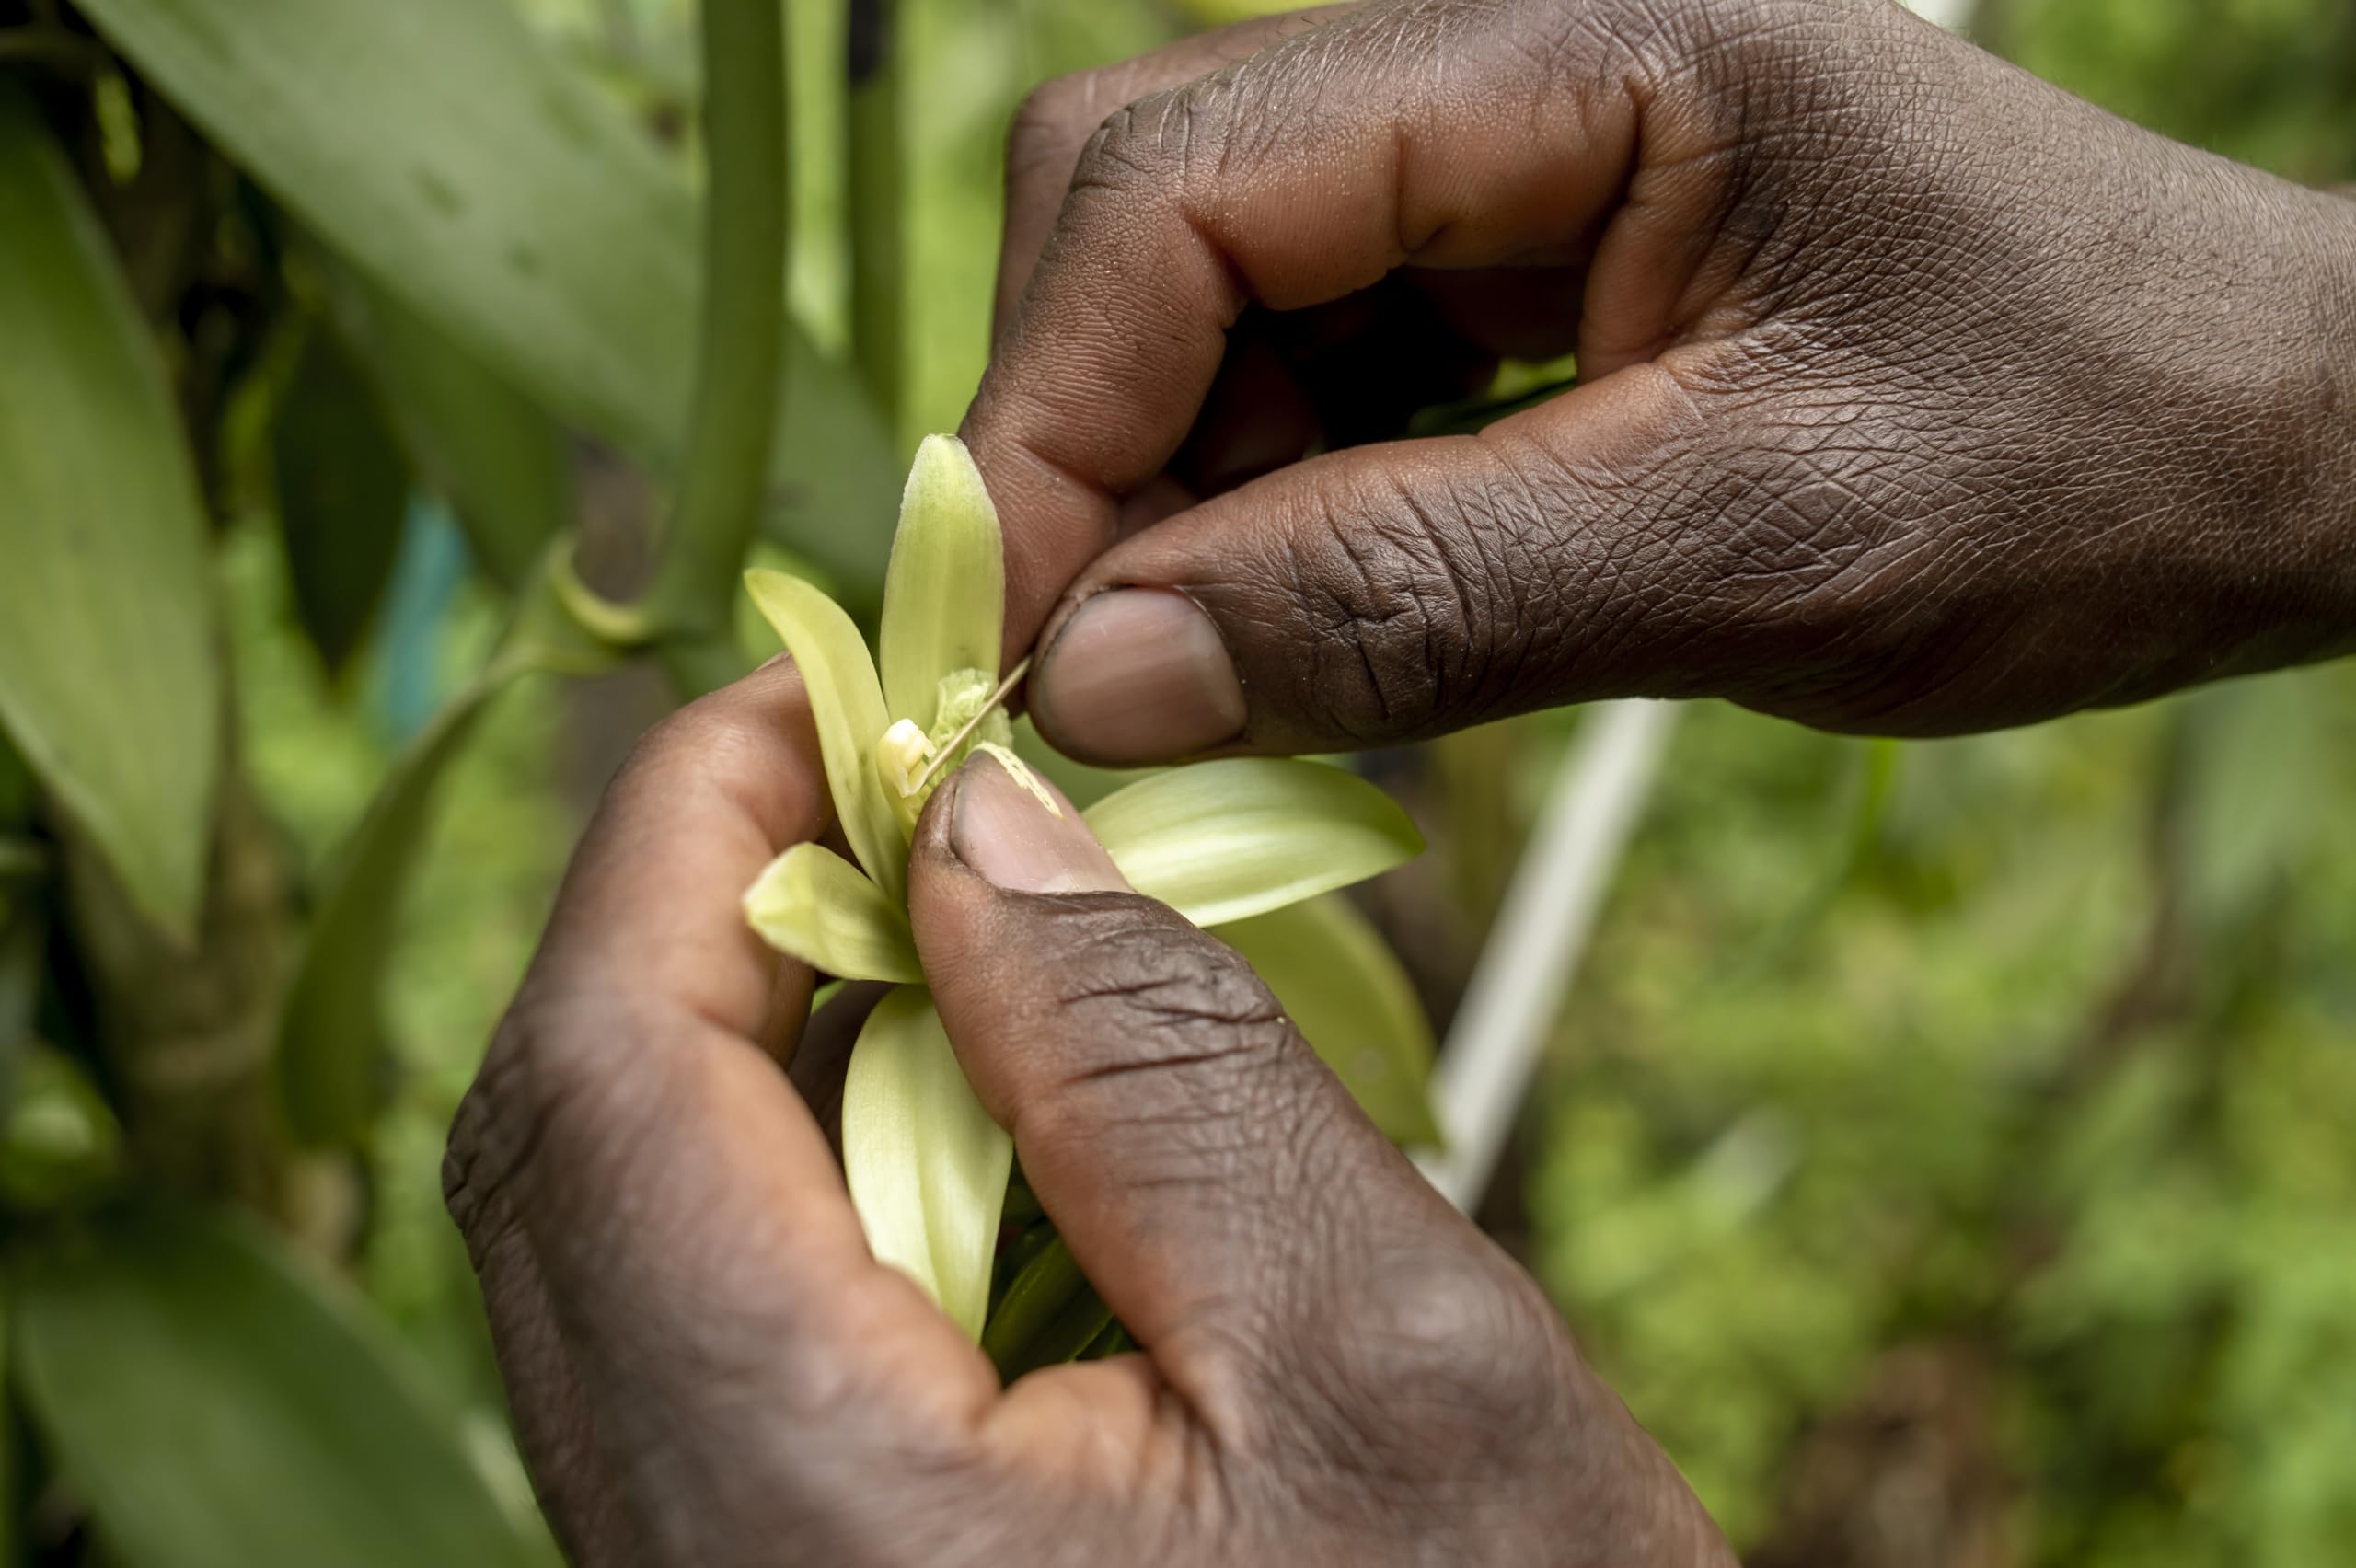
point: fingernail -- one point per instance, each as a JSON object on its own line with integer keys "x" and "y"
{"x": 1019, "y": 832}
{"x": 1137, "y": 674}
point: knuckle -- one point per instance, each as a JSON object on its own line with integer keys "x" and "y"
{"x": 674, "y": 747}
{"x": 1425, "y": 598}
{"x": 1157, "y": 144}
{"x": 541, "y": 1084}
{"x": 1119, "y": 158}
{"x": 1160, "y": 995}
{"x": 1183, "y": 1053}
{"x": 1052, "y": 123}
{"x": 1452, "y": 1361}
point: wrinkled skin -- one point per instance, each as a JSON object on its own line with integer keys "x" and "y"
{"x": 1917, "y": 396}
{"x": 708, "y": 1368}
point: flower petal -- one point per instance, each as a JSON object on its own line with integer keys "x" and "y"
{"x": 1220, "y": 841}
{"x": 849, "y": 707}
{"x": 944, "y": 595}
{"x": 926, "y": 1164}
{"x": 813, "y": 903}
{"x": 1345, "y": 990}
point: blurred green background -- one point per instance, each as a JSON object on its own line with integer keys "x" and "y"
{"x": 1944, "y": 1148}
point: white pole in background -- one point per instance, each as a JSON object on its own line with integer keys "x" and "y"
{"x": 1533, "y": 950}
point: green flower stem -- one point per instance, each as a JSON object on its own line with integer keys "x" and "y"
{"x": 1112, "y": 1342}
{"x": 1015, "y": 1256}
{"x": 875, "y": 158}
{"x": 1036, "y": 1299}
{"x": 22, "y": 858}
{"x": 742, "y": 346}
{"x": 1022, "y": 1203}
{"x": 1067, "y": 1337}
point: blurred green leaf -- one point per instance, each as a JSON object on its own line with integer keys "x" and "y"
{"x": 221, "y": 1406}
{"x": 110, "y": 679}
{"x": 1352, "y": 1001}
{"x": 342, "y": 492}
{"x": 490, "y": 187}
{"x": 332, "y": 1045}
{"x": 60, "y": 1139}
{"x": 2256, "y": 782}
{"x": 332, "y": 1049}
{"x": 23, "y": 942}
{"x": 16, "y": 786}
{"x": 1034, "y": 1297}
{"x": 494, "y": 455}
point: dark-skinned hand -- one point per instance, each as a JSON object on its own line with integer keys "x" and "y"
{"x": 707, "y": 1368}
{"x": 1916, "y": 396}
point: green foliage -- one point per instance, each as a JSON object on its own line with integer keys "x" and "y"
{"x": 1984, "y": 1100}
{"x": 495, "y": 456}
{"x": 109, "y": 684}
{"x": 294, "y": 1440}
{"x": 493, "y": 192}
{"x": 332, "y": 1048}
{"x": 2002, "y": 1120}
{"x": 344, "y": 489}
{"x": 2054, "y": 1084}
{"x": 2265, "y": 80}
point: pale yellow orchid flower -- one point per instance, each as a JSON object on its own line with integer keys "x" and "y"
{"x": 1230, "y": 840}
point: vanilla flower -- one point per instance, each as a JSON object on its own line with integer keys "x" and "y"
{"x": 1219, "y": 841}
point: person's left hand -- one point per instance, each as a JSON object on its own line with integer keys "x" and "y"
{"x": 707, "y": 1366}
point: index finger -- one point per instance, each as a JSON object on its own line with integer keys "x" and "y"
{"x": 1055, "y": 121}
{"x": 1448, "y": 136}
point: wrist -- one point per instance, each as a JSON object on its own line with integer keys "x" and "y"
{"x": 2317, "y": 526}
{"x": 2273, "y": 502}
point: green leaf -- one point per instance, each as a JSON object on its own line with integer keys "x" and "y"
{"x": 221, "y": 1406}
{"x": 944, "y": 598}
{"x": 60, "y": 1140}
{"x": 493, "y": 189}
{"x": 926, "y": 1164}
{"x": 332, "y": 1049}
{"x": 1049, "y": 1315}
{"x": 109, "y": 671}
{"x": 15, "y": 788}
{"x": 813, "y": 903}
{"x": 24, "y": 944}
{"x": 16, "y": 1488}
{"x": 848, "y": 706}
{"x": 1226, "y": 840}
{"x": 1039, "y": 1292}
{"x": 2256, "y": 790}
{"x": 493, "y": 452}
{"x": 331, "y": 1060}
{"x": 1345, "y": 990}
{"x": 343, "y": 494}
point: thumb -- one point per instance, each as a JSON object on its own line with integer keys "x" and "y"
{"x": 1212, "y": 1178}
{"x": 1599, "y": 545}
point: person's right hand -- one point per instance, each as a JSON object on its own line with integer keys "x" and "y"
{"x": 1917, "y": 395}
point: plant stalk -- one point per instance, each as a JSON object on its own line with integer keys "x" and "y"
{"x": 875, "y": 158}
{"x": 743, "y": 335}
{"x": 1534, "y": 947}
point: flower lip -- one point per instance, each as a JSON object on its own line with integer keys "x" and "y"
{"x": 904, "y": 757}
